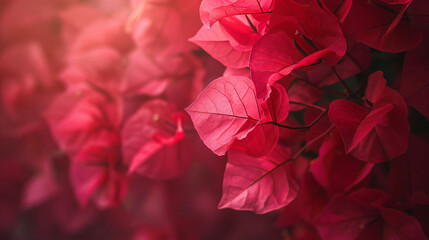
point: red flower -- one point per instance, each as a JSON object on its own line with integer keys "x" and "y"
{"x": 376, "y": 133}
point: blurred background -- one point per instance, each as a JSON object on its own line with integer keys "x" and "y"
{"x": 83, "y": 85}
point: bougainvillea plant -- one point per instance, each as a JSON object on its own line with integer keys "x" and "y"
{"x": 152, "y": 119}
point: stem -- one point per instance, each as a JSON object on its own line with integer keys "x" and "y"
{"x": 312, "y": 142}
{"x": 355, "y": 62}
{"x": 349, "y": 91}
{"x": 259, "y": 4}
{"x": 299, "y": 128}
{"x": 295, "y": 155}
{"x": 284, "y": 126}
{"x": 251, "y": 24}
{"x": 308, "y": 105}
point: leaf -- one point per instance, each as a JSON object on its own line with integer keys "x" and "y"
{"x": 160, "y": 28}
{"x": 399, "y": 225}
{"x": 302, "y": 35}
{"x": 72, "y": 25}
{"x": 339, "y": 8}
{"x": 104, "y": 33}
{"x": 212, "y": 11}
{"x": 79, "y": 115}
{"x": 95, "y": 172}
{"x": 258, "y": 184}
{"x": 100, "y": 66}
{"x": 27, "y": 84}
{"x": 381, "y": 27}
{"x": 377, "y": 134}
{"x": 153, "y": 141}
{"x": 408, "y": 173}
{"x": 356, "y": 60}
{"x": 144, "y": 76}
{"x": 276, "y": 107}
{"x": 226, "y": 110}
{"x": 361, "y": 216}
{"x": 263, "y": 138}
{"x": 231, "y": 28}
{"x": 414, "y": 85}
{"x": 215, "y": 42}
{"x": 307, "y": 206}
{"x": 357, "y": 127}
{"x": 302, "y": 92}
{"x": 336, "y": 171}
{"x": 40, "y": 188}
{"x": 260, "y": 141}
{"x": 241, "y": 32}
{"x": 347, "y": 217}
{"x": 346, "y": 116}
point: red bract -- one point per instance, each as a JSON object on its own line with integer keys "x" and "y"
{"x": 336, "y": 171}
{"x": 215, "y": 42}
{"x": 92, "y": 128}
{"x": 361, "y": 216}
{"x": 212, "y": 11}
{"x": 376, "y": 133}
{"x": 73, "y": 25}
{"x": 228, "y": 114}
{"x": 12, "y": 173}
{"x": 99, "y": 65}
{"x": 96, "y": 172}
{"x": 189, "y": 81}
{"x": 263, "y": 138}
{"x": 152, "y": 75}
{"x": 302, "y": 36}
{"x": 231, "y": 29}
{"x": 414, "y": 83}
{"x": 307, "y": 206}
{"x": 24, "y": 21}
{"x": 161, "y": 26}
{"x": 79, "y": 115}
{"x": 407, "y": 176}
{"x": 153, "y": 143}
{"x": 258, "y": 184}
{"x": 145, "y": 76}
{"x": 340, "y": 8}
{"x": 86, "y": 129}
{"x": 103, "y": 33}
{"x": 96, "y": 54}
{"x": 226, "y": 110}
{"x": 356, "y": 60}
{"x": 381, "y": 26}
{"x": 26, "y": 85}
{"x": 40, "y": 188}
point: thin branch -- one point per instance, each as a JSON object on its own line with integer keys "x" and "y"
{"x": 312, "y": 141}
{"x": 308, "y": 105}
{"x": 252, "y": 26}
{"x": 301, "y": 127}
{"x": 294, "y": 156}
{"x": 349, "y": 91}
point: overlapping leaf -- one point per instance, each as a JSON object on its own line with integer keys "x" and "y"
{"x": 303, "y": 35}
{"x": 152, "y": 141}
{"x": 373, "y": 134}
{"x": 381, "y": 27}
{"x": 258, "y": 184}
{"x": 217, "y": 43}
{"x": 225, "y": 111}
{"x": 214, "y": 10}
